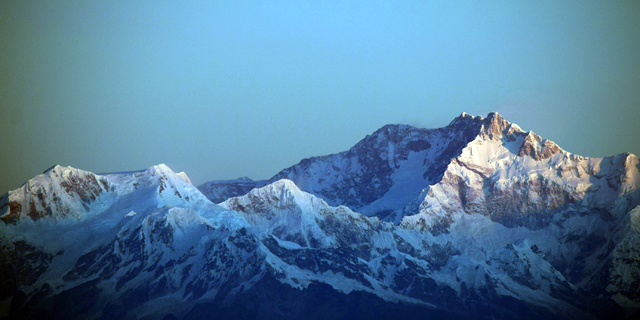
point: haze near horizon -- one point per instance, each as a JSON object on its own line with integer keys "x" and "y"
{"x": 228, "y": 89}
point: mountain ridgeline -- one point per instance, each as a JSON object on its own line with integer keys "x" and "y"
{"x": 478, "y": 219}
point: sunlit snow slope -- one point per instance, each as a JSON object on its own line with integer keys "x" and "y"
{"x": 478, "y": 219}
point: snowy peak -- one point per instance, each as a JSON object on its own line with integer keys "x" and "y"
{"x": 492, "y": 221}
{"x": 160, "y": 169}
{"x": 292, "y": 215}
{"x": 60, "y": 192}
{"x": 387, "y": 172}
{"x": 494, "y": 126}
{"x": 284, "y": 185}
{"x": 473, "y": 165}
{"x": 282, "y": 191}
{"x": 619, "y": 175}
{"x": 183, "y": 176}
{"x": 284, "y": 210}
{"x": 66, "y": 192}
{"x": 391, "y": 133}
{"x": 282, "y": 195}
{"x": 537, "y": 148}
{"x": 521, "y": 180}
{"x": 466, "y": 120}
{"x": 168, "y": 187}
{"x": 391, "y": 144}
{"x": 365, "y": 173}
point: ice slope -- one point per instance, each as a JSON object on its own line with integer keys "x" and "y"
{"x": 149, "y": 214}
{"x": 397, "y": 264}
{"x": 573, "y": 209}
{"x": 384, "y": 171}
{"x": 162, "y": 249}
{"x": 58, "y": 193}
{"x": 486, "y": 184}
{"x": 474, "y": 164}
{"x": 379, "y": 175}
{"x": 515, "y": 177}
{"x": 285, "y": 211}
{"x": 479, "y": 220}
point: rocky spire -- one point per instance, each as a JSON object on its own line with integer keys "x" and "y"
{"x": 494, "y": 126}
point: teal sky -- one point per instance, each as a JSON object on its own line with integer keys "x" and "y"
{"x": 223, "y": 89}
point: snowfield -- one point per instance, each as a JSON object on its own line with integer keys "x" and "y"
{"x": 478, "y": 219}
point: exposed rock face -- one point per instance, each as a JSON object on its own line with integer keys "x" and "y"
{"x": 494, "y": 127}
{"x": 20, "y": 264}
{"x": 361, "y": 177}
{"x": 537, "y": 148}
{"x": 477, "y": 165}
{"x": 479, "y": 220}
{"x": 60, "y": 192}
{"x": 218, "y": 191}
{"x": 378, "y": 254}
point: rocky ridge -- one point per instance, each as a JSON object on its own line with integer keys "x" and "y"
{"x": 479, "y": 219}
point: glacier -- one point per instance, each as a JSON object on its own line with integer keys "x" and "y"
{"x": 478, "y": 219}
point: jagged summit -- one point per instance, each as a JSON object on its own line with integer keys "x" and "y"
{"x": 465, "y": 119}
{"x": 477, "y": 219}
{"x": 159, "y": 169}
{"x": 63, "y": 192}
{"x": 537, "y": 148}
{"x": 388, "y": 170}
{"x": 55, "y": 166}
{"x": 297, "y": 216}
{"x": 392, "y": 172}
{"x": 393, "y": 131}
{"x": 50, "y": 194}
{"x": 494, "y": 126}
{"x": 285, "y": 184}
{"x": 62, "y": 171}
{"x": 281, "y": 194}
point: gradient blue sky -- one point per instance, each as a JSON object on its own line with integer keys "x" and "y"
{"x": 223, "y": 89}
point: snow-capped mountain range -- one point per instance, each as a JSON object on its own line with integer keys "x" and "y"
{"x": 478, "y": 219}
